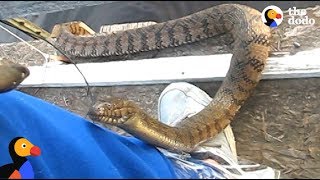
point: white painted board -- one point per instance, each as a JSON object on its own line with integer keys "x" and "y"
{"x": 165, "y": 70}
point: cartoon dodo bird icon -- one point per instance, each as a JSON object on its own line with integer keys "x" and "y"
{"x": 19, "y": 149}
{"x": 270, "y": 16}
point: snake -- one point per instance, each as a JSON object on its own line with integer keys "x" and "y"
{"x": 242, "y": 31}
{"x": 11, "y": 74}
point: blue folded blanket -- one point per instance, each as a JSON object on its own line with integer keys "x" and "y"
{"x": 73, "y": 147}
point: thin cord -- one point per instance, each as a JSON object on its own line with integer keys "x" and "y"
{"x": 42, "y": 53}
{"x": 46, "y": 56}
{"x": 88, "y": 86}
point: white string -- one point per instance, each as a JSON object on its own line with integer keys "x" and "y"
{"x": 45, "y": 55}
{"x": 42, "y": 53}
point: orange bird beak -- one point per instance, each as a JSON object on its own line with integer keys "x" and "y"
{"x": 35, "y": 151}
{"x": 278, "y": 16}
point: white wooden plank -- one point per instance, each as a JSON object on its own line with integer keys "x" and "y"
{"x": 166, "y": 70}
{"x": 113, "y": 28}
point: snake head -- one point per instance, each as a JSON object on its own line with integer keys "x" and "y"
{"x": 115, "y": 112}
{"x": 11, "y": 75}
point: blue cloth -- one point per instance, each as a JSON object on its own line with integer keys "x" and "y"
{"x": 27, "y": 171}
{"x": 73, "y": 147}
{"x": 274, "y": 24}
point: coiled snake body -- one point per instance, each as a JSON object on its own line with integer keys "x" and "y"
{"x": 248, "y": 41}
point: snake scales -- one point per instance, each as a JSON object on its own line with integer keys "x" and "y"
{"x": 248, "y": 41}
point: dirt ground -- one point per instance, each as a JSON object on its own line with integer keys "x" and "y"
{"x": 278, "y": 126}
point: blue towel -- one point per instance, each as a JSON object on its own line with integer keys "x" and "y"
{"x": 72, "y": 147}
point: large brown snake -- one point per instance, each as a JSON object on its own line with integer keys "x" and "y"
{"x": 248, "y": 41}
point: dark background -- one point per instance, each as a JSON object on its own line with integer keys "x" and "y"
{"x": 135, "y": 11}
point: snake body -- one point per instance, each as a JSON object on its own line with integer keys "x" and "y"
{"x": 247, "y": 39}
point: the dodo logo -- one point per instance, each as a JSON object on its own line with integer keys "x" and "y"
{"x": 272, "y": 16}
{"x": 20, "y": 168}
